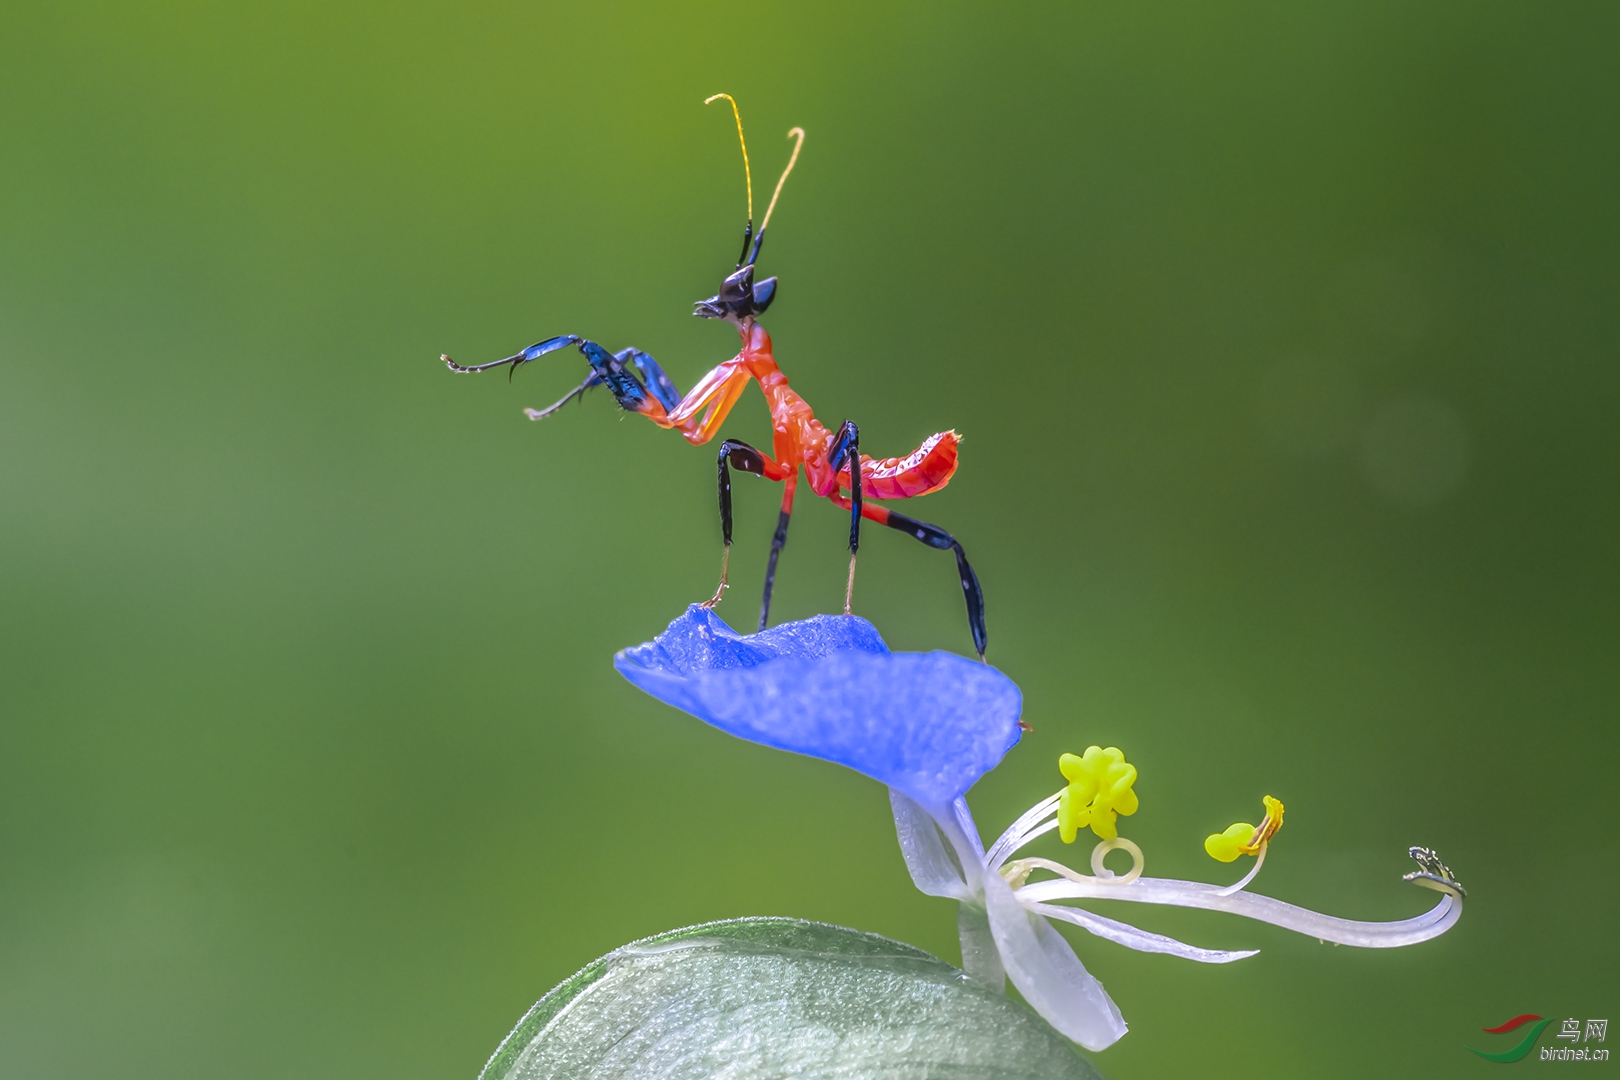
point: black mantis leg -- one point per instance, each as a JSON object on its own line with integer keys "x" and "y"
{"x": 936, "y": 537}
{"x": 847, "y": 450}
{"x": 777, "y": 543}
{"x": 746, "y": 458}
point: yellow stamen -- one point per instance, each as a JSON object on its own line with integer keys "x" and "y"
{"x": 1245, "y": 839}
{"x": 1099, "y": 791}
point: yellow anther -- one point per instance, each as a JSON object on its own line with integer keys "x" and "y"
{"x": 1099, "y": 791}
{"x": 1246, "y": 839}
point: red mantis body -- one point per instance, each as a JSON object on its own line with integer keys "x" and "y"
{"x": 798, "y": 437}
{"x": 799, "y": 440}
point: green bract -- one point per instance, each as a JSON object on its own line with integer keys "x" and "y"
{"x": 755, "y": 998}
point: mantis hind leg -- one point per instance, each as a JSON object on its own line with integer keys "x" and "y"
{"x": 936, "y": 537}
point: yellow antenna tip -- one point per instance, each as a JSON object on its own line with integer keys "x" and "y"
{"x": 795, "y": 133}
{"x": 748, "y": 176}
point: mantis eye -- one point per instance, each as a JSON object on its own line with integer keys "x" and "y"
{"x": 764, "y": 293}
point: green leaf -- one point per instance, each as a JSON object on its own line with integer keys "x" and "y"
{"x": 749, "y": 998}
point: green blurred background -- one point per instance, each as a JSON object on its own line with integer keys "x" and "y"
{"x": 1282, "y": 337}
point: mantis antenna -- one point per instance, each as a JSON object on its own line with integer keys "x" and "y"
{"x": 748, "y": 177}
{"x": 796, "y": 133}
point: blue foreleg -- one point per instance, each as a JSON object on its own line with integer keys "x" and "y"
{"x": 662, "y": 386}
{"x": 533, "y": 352}
{"x": 606, "y": 370}
{"x": 593, "y": 379}
{"x": 627, "y": 389}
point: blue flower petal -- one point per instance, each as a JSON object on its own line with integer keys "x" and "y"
{"x": 927, "y": 724}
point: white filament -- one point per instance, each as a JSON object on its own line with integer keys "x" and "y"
{"x": 1255, "y": 869}
{"x": 1106, "y": 875}
{"x": 1015, "y": 838}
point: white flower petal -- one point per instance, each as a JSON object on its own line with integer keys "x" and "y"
{"x": 1195, "y": 894}
{"x": 1046, "y": 971}
{"x": 932, "y": 868}
{"x": 1140, "y": 940}
{"x": 964, "y": 822}
{"x": 979, "y": 956}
